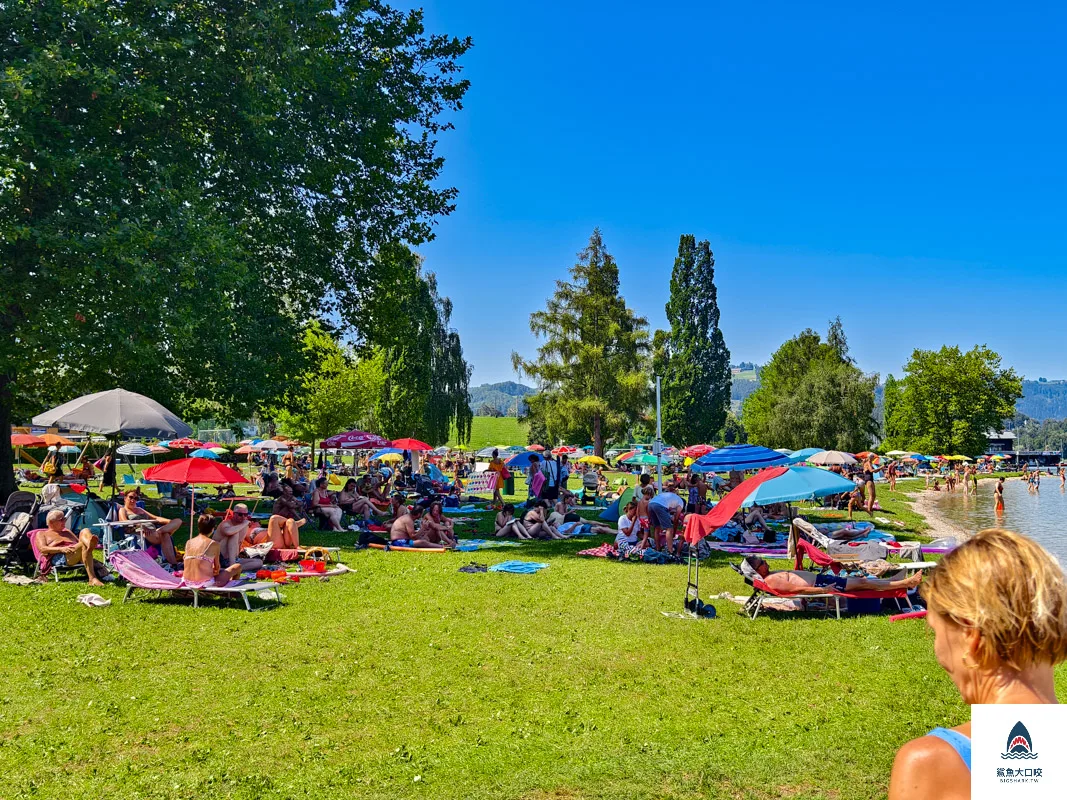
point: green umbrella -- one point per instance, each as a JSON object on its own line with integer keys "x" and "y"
{"x": 641, "y": 458}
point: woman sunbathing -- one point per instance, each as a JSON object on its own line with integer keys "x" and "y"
{"x": 537, "y": 526}
{"x": 201, "y": 563}
{"x": 507, "y": 525}
{"x": 161, "y": 535}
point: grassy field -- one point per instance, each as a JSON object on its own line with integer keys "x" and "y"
{"x": 411, "y": 679}
{"x": 488, "y": 431}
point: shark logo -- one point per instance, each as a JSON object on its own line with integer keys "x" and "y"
{"x": 1019, "y": 743}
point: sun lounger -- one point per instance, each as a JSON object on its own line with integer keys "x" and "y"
{"x": 762, "y": 592}
{"x": 45, "y": 565}
{"x": 142, "y": 572}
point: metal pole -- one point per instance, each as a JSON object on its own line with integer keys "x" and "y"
{"x": 659, "y": 440}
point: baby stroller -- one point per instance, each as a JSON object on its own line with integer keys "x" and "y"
{"x": 16, "y": 551}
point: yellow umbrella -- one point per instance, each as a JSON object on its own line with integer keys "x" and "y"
{"x": 593, "y": 460}
{"x": 391, "y": 457}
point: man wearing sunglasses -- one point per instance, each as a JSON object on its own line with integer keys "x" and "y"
{"x": 230, "y": 533}
{"x": 797, "y": 581}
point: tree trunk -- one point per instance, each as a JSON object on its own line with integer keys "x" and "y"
{"x": 598, "y": 439}
{"x": 7, "y": 457}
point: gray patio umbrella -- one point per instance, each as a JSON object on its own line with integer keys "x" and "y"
{"x": 115, "y": 412}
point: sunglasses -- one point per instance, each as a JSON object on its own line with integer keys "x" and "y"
{"x": 240, "y": 513}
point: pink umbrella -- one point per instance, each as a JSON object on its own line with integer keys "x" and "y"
{"x": 535, "y": 448}
{"x": 697, "y": 450}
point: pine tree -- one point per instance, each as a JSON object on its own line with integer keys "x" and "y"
{"x": 592, "y": 367}
{"x": 692, "y": 357}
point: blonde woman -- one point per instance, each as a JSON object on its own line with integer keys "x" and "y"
{"x": 997, "y": 605}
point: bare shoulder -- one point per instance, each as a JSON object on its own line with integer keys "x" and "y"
{"x": 928, "y": 767}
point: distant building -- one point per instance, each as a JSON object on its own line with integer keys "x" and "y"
{"x": 1000, "y": 442}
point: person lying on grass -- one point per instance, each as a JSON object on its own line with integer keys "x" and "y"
{"x": 436, "y": 527}
{"x": 201, "y": 562}
{"x": 161, "y": 535}
{"x": 796, "y": 581}
{"x": 506, "y": 524}
{"x": 402, "y": 532}
{"x": 66, "y": 549}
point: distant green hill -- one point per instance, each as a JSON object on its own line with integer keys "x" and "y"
{"x": 506, "y": 397}
{"x": 486, "y": 431}
{"x": 1043, "y": 400}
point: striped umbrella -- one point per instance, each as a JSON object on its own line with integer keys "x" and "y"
{"x": 134, "y": 449}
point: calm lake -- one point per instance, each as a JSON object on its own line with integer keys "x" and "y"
{"x": 1042, "y": 515}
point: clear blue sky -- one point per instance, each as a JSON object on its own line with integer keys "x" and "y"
{"x": 903, "y": 168}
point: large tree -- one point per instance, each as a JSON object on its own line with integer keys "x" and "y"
{"x": 182, "y": 182}
{"x": 812, "y": 394}
{"x": 692, "y": 357}
{"x": 949, "y": 400}
{"x": 591, "y": 369}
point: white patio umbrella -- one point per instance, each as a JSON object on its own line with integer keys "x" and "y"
{"x": 115, "y": 412}
{"x": 829, "y": 458}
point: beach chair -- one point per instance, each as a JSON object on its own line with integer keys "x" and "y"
{"x": 44, "y": 563}
{"x": 130, "y": 482}
{"x": 141, "y": 571}
{"x": 762, "y": 592}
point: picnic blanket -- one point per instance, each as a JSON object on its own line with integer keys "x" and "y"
{"x": 518, "y": 567}
{"x": 607, "y": 550}
{"x": 470, "y": 545}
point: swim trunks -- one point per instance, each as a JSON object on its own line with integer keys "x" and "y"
{"x": 836, "y": 581}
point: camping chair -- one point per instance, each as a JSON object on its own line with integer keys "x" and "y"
{"x": 141, "y": 571}
{"x": 130, "y": 482}
{"x": 761, "y": 592}
{"x": 45, "y": 565}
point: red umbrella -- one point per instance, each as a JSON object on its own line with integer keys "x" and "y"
{"x": 194, "y": 470}
{"x": 536, "y": 448}
{"x": 185, "y": 444}
{"x": 27, "y": 440}
{"x": 355, "y": 440}
{"x": 565, "y": 450}
{"x": 411, "y": 444}
{"x": 697, "y": 450}
{"x": 155, "y": 448}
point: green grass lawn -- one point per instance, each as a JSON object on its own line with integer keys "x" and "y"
{"x": 488, "y": 431}
{"x": 411, "y": 679}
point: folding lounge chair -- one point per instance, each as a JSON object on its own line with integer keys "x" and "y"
{"x": 761, "y": 592}
{"x": 45, "y": 566}
{"x": 142, "y": 572}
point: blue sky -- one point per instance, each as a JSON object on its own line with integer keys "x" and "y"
{"x": 901, "y": 167}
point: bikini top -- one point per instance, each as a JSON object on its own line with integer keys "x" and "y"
{"x": 960, "y": 743}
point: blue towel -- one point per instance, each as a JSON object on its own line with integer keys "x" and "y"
{"x": 519, "y": 567}
{"x": 470, "y": 545}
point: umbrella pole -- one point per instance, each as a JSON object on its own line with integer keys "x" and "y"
{"x": 192, "y": 510}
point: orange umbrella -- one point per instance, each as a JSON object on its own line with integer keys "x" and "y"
{"x": 27, "y": 440}
{"x": 57, "y": 440}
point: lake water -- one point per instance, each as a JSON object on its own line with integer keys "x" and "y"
{"x": 1042, "y": 515}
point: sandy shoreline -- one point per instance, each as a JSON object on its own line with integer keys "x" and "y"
{"x": 928, "y": 507}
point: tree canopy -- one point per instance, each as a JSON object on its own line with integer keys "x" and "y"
{"x": 811, "y": 394}
{"x": 184, "y": 183}
{"x": 692, "y": 357}
{"x": 948, "y": 401}
{"x": 591, "y": 370}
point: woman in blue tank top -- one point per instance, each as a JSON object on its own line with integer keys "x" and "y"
{"x": 1017, "y": 593}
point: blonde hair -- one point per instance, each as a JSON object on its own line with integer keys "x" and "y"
{"x": 1008, "y": 588}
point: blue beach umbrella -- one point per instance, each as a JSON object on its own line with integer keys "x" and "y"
{"x": 522, "y": 459}
{"x": 798, "y": 483}
{"x": 740, "y": 457}
{"x": 203, "y": 452}
{"x": 803, "y": 455}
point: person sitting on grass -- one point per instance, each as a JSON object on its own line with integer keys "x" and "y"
{"x": 65, "y": 549}
{"x": 402, "y": 531}
{"x": 563, "y": 511}
{"x": 201, "y": 562}
{"x": 506, "y": 524}
{"x": 629, "y": 530}
{"x": 797, "y": 581}
{"x": 436, "y": 527}
{"x": 161, "y": 535}
{"x": 369, "y": 488}
{"x": 537, "y": 525}
{"x": 324, "y": 506}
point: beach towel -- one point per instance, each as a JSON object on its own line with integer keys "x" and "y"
{"x": 518, "y": 567}
{"x": 536, "y": 484}
{"x": 604, "y": 551}
{"x": 470, "y": 545}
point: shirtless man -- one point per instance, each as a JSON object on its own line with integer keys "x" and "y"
{"x": 437, "y": 528}
{"x": 202, "y": 556}
{"x": 795, "y": 581}
{"x": 230, "y": 535}
{"x": 161, "y": 535}
{"x": 65, "y": 548}
{"x": 402, "y": 532}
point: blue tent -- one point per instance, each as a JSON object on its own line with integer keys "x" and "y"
{"x": 739, "y": 457}
{"x": 798, "y": 456}
{"x": 798, "y": 483}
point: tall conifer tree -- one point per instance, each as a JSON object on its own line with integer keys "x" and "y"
{"x": 692, "y": 357}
